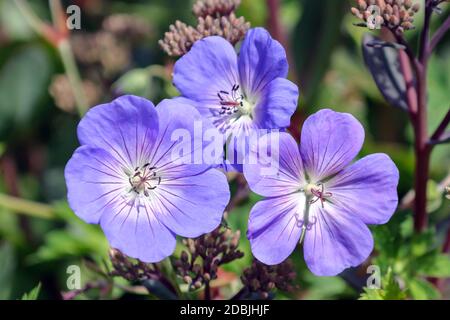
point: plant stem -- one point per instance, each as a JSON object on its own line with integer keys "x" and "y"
{"x": 73, "y": 75}
{"x": 67, "y": 57}
{"x": 420, "y": 123}
{"x": 30, "y": 208}
{"x": 425, "y": 35}
{"x": 422, "y": 153}
{"x": 58, "y": 37}
{"x": 439, "y": 34}
{"x": 441, "y": 128}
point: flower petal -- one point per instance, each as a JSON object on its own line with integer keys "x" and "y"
{"x": 368, "y": 188}
{"x": 208, "y": 68}
{"x": 329, "y": 142}
{"x": 192, "y": 205}
{"x": 278, "y": 174}
{"x": 127, "y": 127}
{"x": 336, "y": 240}
{"x": 182, "y": 139}
{"x": 277, "y": 104}
{"x": 261, "y": 60}
{"x": 95, "y": 180}
{"x": 135, "y": 230}
{"x": 273, "y": 227}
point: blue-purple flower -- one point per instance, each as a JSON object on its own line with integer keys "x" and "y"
{"x": 319, "y": 197}
{"x": 126, "y": 177}
{"x": 239, "y": 94}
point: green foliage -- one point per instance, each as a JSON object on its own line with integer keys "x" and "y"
{"x": 390, "y": 290}
{"x": 23, "y": 83}
{"x": 151, "y": 83}
{"x": 7, "y": 267}
{"x": 77, "y": 239}
{"x": 315, "y": 35}
{"x": 413, "y": 257}
{"x": 33, "y": 294}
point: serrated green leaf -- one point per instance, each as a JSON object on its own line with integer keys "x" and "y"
{"x": 33, "y": 294}
{"x": 390, "y": 290}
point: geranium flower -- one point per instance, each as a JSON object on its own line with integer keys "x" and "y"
{"x": 126, "y": 178}
{"x": 239, "y": 94}
{"x": 318, "y": 196}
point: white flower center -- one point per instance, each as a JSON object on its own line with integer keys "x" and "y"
{"x": 316, "y": 192}
{"x": 144, "y": 179}
{"x": 233, "y": 102}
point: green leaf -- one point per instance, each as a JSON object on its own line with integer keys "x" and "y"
{"x": 7, "y": 266}
{"x": 390, "y": 290}
{"x": 136, "y": 81}
{"x": 434, "y": 196}
{"x": 315, "y": 36}
{"x": 421, "y": 243}
{"x": 33, "y": 294}
{"x": 23, "y": 83}
{"x": 13, "y": 23}
{"x": 151, "y": 82}
{"x": 438, "y": 266}
{"x": 422, "y": 290}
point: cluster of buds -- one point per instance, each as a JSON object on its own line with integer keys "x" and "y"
{"x": 397, "y": 15}
{"x": 214, "y": 18}
{"x": 199, "y": 263}
{"x": 215, "y": 8}
{"x": 263, "y": 279}
{"x": 131, "y": 270}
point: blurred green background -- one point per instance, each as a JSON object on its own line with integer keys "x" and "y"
{"x": 38, "y": 134}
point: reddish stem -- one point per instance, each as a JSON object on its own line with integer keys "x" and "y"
{"x": 439, "y": 34}
{"x": 422, "y": 152}
{"x": 446, "y": 246}
{"x": 420, "y": 123}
